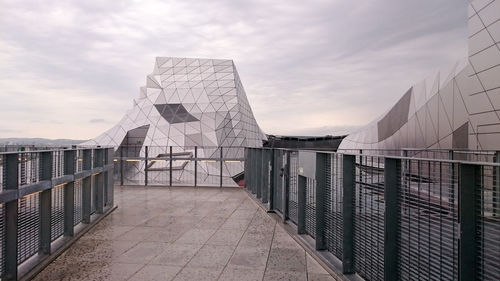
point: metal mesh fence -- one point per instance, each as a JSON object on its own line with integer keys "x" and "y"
{"x": 278, "y": 181}
{"x": 79, "y": 161}
{"x": 28, "y": 227}
{"x": 424, "y": 222}
{"x": 28, "y": 167}
{"x": 166, "y": 165}
{"x": 2, "y": 174}
{"x": 2, "y": 235}
{"x": 57, "y": 212}
{"x": 428, "y": 221}
{"x": 293, "y": 186}
{"x": 78, "y": 207}
{"x": 334, "y": 205}
{"x": 135, "y": 172}
{"x": 158, "y": 166}
{"x": 311, "y": 207}
{"x": 93, "y": 194}
{"x": 29, "y": 202}
{"x": 369, "y": 217}
{"x": 57, "y": 163}
{"x": 488, "y": 226}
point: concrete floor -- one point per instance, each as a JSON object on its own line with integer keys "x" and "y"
{"x": 181, "y": 233}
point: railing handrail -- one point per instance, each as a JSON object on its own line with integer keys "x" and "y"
{"x": 28, "y": 187}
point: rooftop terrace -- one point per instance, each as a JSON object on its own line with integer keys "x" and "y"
{"x": 185, "y": 233}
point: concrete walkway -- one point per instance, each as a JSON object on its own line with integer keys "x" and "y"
{"x": 161, "y": 233}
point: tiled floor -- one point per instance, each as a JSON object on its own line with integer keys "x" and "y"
{"x": 161, "y": 233}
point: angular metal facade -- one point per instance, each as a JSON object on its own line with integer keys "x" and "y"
{"x": 456, "y": 108}
{"x": 187, "y": 103}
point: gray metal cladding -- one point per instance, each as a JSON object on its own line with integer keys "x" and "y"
{"x": 396, "y": 118}
{"x": 467, "y": 92}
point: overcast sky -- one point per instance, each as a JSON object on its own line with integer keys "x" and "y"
{"x": 70, "y": 69}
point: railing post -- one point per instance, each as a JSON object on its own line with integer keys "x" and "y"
{"x": 170, "y": 164}
{"x": 279, "y": 179}
{"x": 110, "y": 180}
{"x": 468, "y": 182}
{"x": 86, "y": 187}
{"x": 392, "y": 178}
{"x": 121, "y": 164}
{"x": 272, "y": 179}
{"x": 195, "y": 166}
{"x": 321, "y": 174}
{"x": 251, "y": 168}
{"x": 301, "y": 204}
{"x": 259, "y": 172}
{"x": 221, "y": 165}
{"x": 99, "y": 181}
{"x": 11, "y": 174}
{"x": 348, "y": 181}
{"x": 45, "y": 166}
{"x": 286, "y": 183}
{"x": 496, "y": 184}
{"x": 146, "y": 165}
{"x": 69, "y": 193}
{"x": 246, "y": 174}
{"x": 265, "y": 175}
{"x": 106, "y": 185}
{"x": 253, "y": 182}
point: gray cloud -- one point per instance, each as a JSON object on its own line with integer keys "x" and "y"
{"x": 304, "y": 64}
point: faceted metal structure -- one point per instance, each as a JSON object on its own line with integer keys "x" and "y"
{"x": 187, "y": 103}
{"x": 457, "y": 108}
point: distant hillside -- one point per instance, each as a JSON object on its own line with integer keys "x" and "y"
{"x": 38, "y": 141}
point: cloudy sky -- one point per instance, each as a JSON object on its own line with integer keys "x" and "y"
{"x": 70, "y": 69}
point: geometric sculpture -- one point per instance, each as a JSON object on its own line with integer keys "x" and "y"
{"x": 187, "y": 103}
{"x": 457, "y": 108}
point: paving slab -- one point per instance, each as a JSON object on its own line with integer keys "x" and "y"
{"x": 185, "y": 233}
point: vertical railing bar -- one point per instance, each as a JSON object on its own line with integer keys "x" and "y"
{"x": 45, "y": 166}
{"x": 272, "y": 184}
{"x": 146, "y": 157}
{"x": 111, "y": 183}
{"x": 11, "y": 174}
{"x": 121, "y": 165}
{"x": 170, "y": 166}
{"x": 321, "y": 174}
{"x": 301, "y": 204}
{"x": 284, "y": 189}
{"x": 69, "y": 189}
{"x": 279, "y": 180}
{"x": 247, "y": 174}
{"x": 392, "y": 180}
{"x": 348, "y": 185}
{"x": 496, "y": 185}
{"x": 255, "y": 171}
{"x": 86, "y": 187}
{"x": 260, "y": 173}
{"x": 221, "y": 166}
{"x": 265, "y": 177}
{"x": 468, "y": 175}
{"x": 99, "y": 180}
{"x": 195, "y": 166}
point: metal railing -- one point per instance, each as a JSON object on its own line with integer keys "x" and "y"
{"x": 387, "y": 217}
{"x": 47, "y": 198}
{"x": 444, "y": 154}
{"x": 179, "y": 166}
